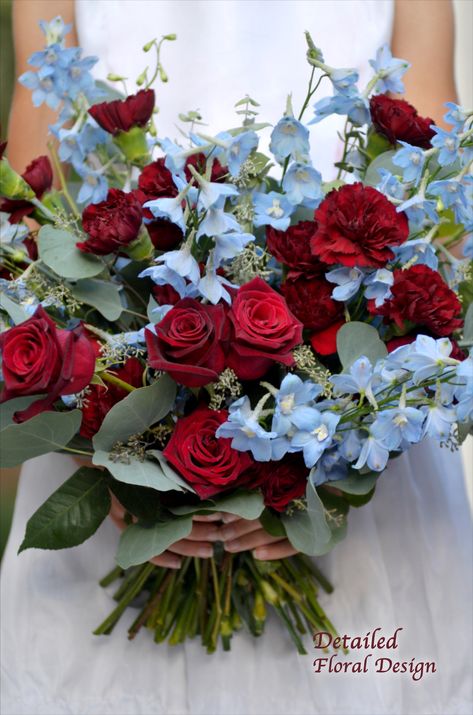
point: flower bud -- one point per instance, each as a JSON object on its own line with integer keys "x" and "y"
{"x": 133, "y": 144}
{"x": 148, "y": 46}
{"x": 12, "y": 185}
{"x": 170, "y": 37}
{"x": 142, "y": 78}
{"x": 115, "y": 77}
{"x": 140, "y": 249}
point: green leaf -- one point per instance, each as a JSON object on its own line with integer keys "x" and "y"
{"x": 356, "y": 339}
{"x": 464, "y": 430}
{"x": 102, "y": 295}
{"x": 17, "y": 404}
{"x": 383, "y": 161}
{"x": 152, "y": 305}
{"x": 44, "y": 433}
{"x": 142, "y": 502}
{"x": 143, "y": 474}
{"x": 71, "y": 514}
{"x": 58, "y": 250}
{"x": 468, "y": 326}
{"x": 247, "y": 504}
{"x": 358, "y": 500}
{"x": 138, "y": 411}
{"x": 272, "y": 523}
{"x": 169, "y": 472}
{"x": 356, "y": 483}
{"x": 307, "y": 529}
{"x": 139, "y": 543}
{"x": 336, "y": 510}
{"x": 14, "y": 310}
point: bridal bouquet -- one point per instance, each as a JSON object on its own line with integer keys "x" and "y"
{"x": 217, "y": 329}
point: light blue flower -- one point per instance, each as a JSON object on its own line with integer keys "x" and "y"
{"x": 420, "y": 211}
{"x": 348, "y": 282}
{"x": 247, "y": 435}
{"x": 411, "y": 160}
{"x": 455, "y": 115}
{"x": 390, "y": 70}
{"x": 418, "y": 248}
{"x": 448, "y": 143}
{"x": 289, "y": 138}
{"x": 374, "y": 453}
{"x": 70, "y": 149}
{"x": 163, "y": 275}
{"x": 11, "y": 232}
{"x": 399, "y": 427}
{"x": 272, "y": 209}
{"x": 55, "y": 30}
{"x": 212, "y": 193}
{"x": 351, "y": 104}
{"x": 357, "y": 381}
{"x": 303, "y": 185}
{"x": 216, "y": 222}
{"x": 390, "y": 185}
{"x": 212, "y": 285}
{"x": 343, "y": 79}
{"x": 229, "y": 245}
{"x": 182, "y": 262}
{"x": 44, "y": 90}
{"x": 94, "y": 188}
{"x": 292, "y": 403}
{"x": 350, "y": 446}
{"x": 170, "y": 209}
{"x": 330, "y": 467}
{"x": 378, "y": 285}
{"x": 52, "y": 56}
{"x": 426, "y": 357}
{"x": 317, "y": 435}
{"x": 176, "y": 156}
{"x": 464, "y": 390}
{"x": 239, "y": 149}
{"x": 438, "y": 421}
{"x": 452, "y": 195}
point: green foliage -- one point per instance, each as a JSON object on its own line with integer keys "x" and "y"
{"x": 247, "y": 504}
{"x": 47, "y": 432}
{"x": 139, "y": 542}
{"x": 356, "y": 339}
{"x": 57, "y": 249}
{"x": 146, "y": 473}
{"x": 102, "y": 295}
{"x": 15, "y": 311}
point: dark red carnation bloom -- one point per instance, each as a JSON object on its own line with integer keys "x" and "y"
{"x": 264, "y": 330}
{"x": 310, "y": 299}
{"x": 207, "y": 462}
{"x": 357, "y": 225}
{"x": 155, "y": 181}
{"x": 123, "y": 114}
{"x": 324, "y": 342}
{"x": 420, "y": 297}
{"x": 398, "y": 120}
{"x": 166, "y": 294}
{"x": 190, "y": 343}
{"x": 39, "y": 358}
{"x": 100, "y": 399}
{"x": 112, "y": 224}
{"x": 39, "y": 175}
{"x": 292, "y": 247}
{"x": 280, "y": 482}
{"x": 198, "y": 161}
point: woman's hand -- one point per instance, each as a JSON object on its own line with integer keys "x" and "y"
{"x": 245, "y": 535}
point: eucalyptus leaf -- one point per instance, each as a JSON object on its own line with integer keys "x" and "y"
{"x": 47, "y": 432}
{"x": 134, "y": 414}
{"x": 468, "y": 325}
{"x": 152, "y": 305}
{"x": 139, "y": 543}
{"x": 71, "y": 514}
{"x": 307, "y": 529}
{"x": 14, "y": 310}
{"x": 17, "y": 404}
{"x": 465, "y": 429}
{"x": 355, "y": 339}
{"x": 356, "y": 483}
{"x": 142, "y": 474}
{"x": 272, "y": 523}
{"x": 168, "y": 471}
{"x": 102, "y": 295}
{"x": 57, "y": 249}
{"x": 247, "y": 504}
{"x": 383, "y": 161}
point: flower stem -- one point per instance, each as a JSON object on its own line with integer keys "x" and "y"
{"x": 62, "y": 180}
{"x": 113, "y": 380}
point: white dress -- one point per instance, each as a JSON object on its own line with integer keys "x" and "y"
{"x": 406, "y": 561}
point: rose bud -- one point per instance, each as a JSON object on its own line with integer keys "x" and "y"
{"x": 310, "y": 299}
{"x": 190, "y": 343}
{"x": 397, "y": 120}
{"x": 292, "y": 247}
{"x": 420, "y": 297}
{"x": 208, "y": 463}
{"x": 40, "y": 358}
{"x": 113, "y": 225}
{"x": 35, "y": 181}
{"x": 357, "y": 225}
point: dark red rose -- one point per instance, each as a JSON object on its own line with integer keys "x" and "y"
{"x": 398, "y": 120}
{"x": 112, "y": 224}
{"x": 420, "y": 297}
{"x": 165, "y": 295}
{"x": 356, "y": 227}
{"x": 310, "y": 299}
{"x": 280, "y": 482}
{"x": 164, "y": 235}
{"x": 324, "y": 342}
{"x": 39, "y": 175}
{"x": 190, "y": 343}
{"x": 207, "y": 462}
{"x": 264, "y": 330}
{"x": 292, "y": 247}
{"x": 40, "y": 358}
{"x": 100, "y": 399}
{"x": 123, "y": 114}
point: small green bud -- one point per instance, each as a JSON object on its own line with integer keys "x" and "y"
{"x": 115, "y": 77}
{"x": 170, "y": 37}
{"x": 133, "y": 144}
{"x": 148, "y": 46}
{"x": 142, "y": 78}
{"x": 140, "y": 249}
{"x": 12, "y": 185}
{"x": 162, "y": 74}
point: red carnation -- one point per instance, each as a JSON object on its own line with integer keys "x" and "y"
{"x": 123, "y": 114}
{"x": 324, "y": 342}
{"x": 310, "y": 299}
{"x": 155, "y": 181}
{"x": 207, "y": 462}
{"x": 100, "y": 399}
{"x": 112, "y": 224}
{"x": 357, "y": 225}
{"x": 420, "y": 297}
{"x": 39, "y": 358}
{"x": 398, "y": 120}
{"x": 198, "y": 161}
{"x": 189, "y": 343}
{"x": 280, "y": 482}
{"x": 292, "y": 247}
{"x": 39, "y": 175}
{"x": 264, "y": 330}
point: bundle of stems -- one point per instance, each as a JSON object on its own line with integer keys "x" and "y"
{"x": 213, "y": 598}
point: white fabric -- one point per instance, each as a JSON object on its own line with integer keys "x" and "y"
{"x": 407, "y": 559}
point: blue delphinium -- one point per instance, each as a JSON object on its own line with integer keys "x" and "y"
{"x": 294, "y": 401}
{"x": 350, "y": 104}
{"x": 455, "y": 115}
{"x": 390, "y": 185}
{"x": 418, "y": 248}
{"x": 390, "y": 71}
{"x": 426, "y": 357}
{"x": 343, "y": 79}
{"x": 399, "y": 427}
{"x": 411, "y": 160}
{"x": 94, "y": 188}
{"x": 439, "y": 420}
{"x": 452, "y": 195}
{"x": 315, "y": 435}
{"x": 245, "y": 431}
{"x": 289, "y": 138}
{"x": 348, "y": 282}
{"x": 303, "y": 185}
{"x": 448, "y": 143}
{"x": 272, "y": 209}
{"x": 170, "y": 209}
{"x": 378, "y": 285}
{"x": 330, "y": 467}
{"x": 464, "y": 390}
{"x": 359, "y": 380}
{"x": 239, "y": 149}
{"x": 374, "y": 452}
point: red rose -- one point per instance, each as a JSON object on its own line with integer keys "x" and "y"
{"x": 310, "y": 299}
{"x": 39, "y": 175}
{"x": 280, "y": 482}
{"x": 324, "y": 342}
{"x": 420, "y": 297}
{"x": 357, "y": 225}
{"x": 264, "y": 330}
{"x": 207, "y": 462}
{"x": 165, "y": 295}
{"x": 40, "y": 358}
{"x": 189, "y": 343}
{"x": 112, "y": 224}
{"x": 123, "y": 114}
{"x": 398, "y": 120}
{"x": 100, "y": 399}
{"x": 292, "y": 247}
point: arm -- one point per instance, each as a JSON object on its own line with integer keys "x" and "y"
{"x": 28, "y": 127}
{"x": 423, "y": 34}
